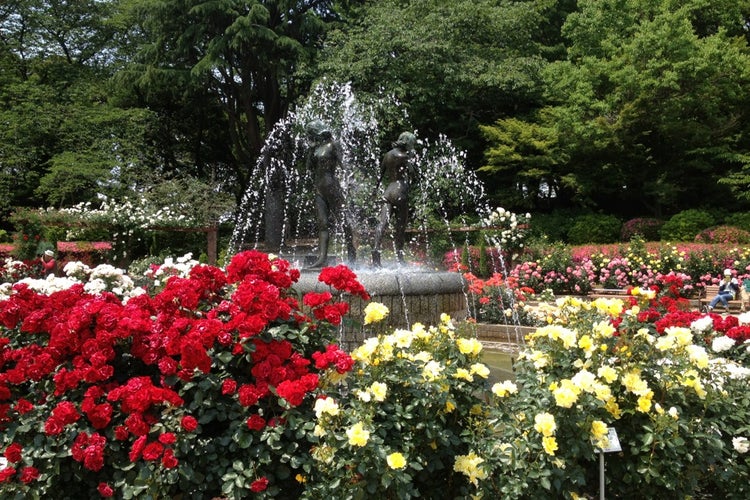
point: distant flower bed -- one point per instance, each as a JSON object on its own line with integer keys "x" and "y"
{"x": 74, "y": 247}
{"x": 6, "y": 249}
{"x": 579, "y": 269}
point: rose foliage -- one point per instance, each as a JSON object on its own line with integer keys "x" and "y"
{"x": 222, "y": 383}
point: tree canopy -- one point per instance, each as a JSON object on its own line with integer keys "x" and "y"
{"x": 630, "y": 107}
{"x": 644, "y": 115}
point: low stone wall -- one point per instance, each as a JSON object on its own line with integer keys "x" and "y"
{"x": 411, "y": 296}
{"x": 511, "y": 334}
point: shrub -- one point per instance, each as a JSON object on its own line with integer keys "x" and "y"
{"x": 646, "y": 228}
{"x": 723, "y": 234}
{"x": 739, "y": 219}
{"x": 605, "y": 364}
{"x": 400, "y": 428}
{"x": 197, "y": 389}
{"x": 685, "y": 225}
{"x": 594, "y": 228}
{"x": 500, "y": 301}
{"x": 554, "y": 226}
{"x": 28, "y": 235}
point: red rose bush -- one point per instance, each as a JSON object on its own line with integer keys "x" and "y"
{"x": 197, "y": 388}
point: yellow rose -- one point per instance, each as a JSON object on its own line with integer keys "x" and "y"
{"x": 549, "y": 443}
{"x": 432, "y": 370}
{"x": 396, "y": 461}
{"x": 607, "y": 373}
{"x": 644, "y": 402}
{"x": 463, "y": 373}
{"x": 357, "y": 435}
{"x": 480, "y": 369}
{"x": 598, "y": 429}
{"x": 469, "y": 346}
{"x": 469, "y": 465}
{"x": 544, "y": 423}
{"x": 502, "y": 389}
{"x": 634, "y": 383}
{"x": 585, "y": 343}
{"x": 374, "y": 312}
{"x": 565, "y": 396}
{"x": 326, "y": 406}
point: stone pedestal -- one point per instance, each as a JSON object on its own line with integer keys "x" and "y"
{"x": 411, "y": 296}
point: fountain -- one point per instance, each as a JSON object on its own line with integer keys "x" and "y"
{"x": 277, "y": 214}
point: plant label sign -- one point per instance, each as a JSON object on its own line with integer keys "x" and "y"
{"x": 613, "y": 442}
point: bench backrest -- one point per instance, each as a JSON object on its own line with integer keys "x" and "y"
{"x": 711, "y": 291}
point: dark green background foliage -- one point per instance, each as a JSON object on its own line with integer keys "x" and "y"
{"x": 594, "y": 228}
{"x": 631, "y": 109}
{"x": 686, "y": 225}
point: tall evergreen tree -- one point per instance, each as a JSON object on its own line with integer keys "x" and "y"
{"x": 237, "y": 63}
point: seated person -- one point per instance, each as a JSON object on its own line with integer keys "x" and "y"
{"x": 48, "y": 262}
{"x": 728, "y": 288}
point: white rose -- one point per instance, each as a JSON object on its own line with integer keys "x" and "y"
{"x": 741, "y": 444}
{"x": 721, "y": 344}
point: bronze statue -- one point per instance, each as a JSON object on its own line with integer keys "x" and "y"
{"x": 395, "y": 171}
{"x": 323, "y": 159}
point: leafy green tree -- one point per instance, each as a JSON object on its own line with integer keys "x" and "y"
{"x": 235, "y": 61}
{"x": 521, "y": 158}
{"x": 647, "y": 108}
{"x": 62, "y": 142}
{"x": 452, "y": 63}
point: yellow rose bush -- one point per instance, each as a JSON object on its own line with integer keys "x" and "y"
{"x": 403, "y": 419}
{"x": 679, "y": 410}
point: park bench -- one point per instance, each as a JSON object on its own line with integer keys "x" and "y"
{"x": 607, "y": 293}
{"x": 739, "y": 304}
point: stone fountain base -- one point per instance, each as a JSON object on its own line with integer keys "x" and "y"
{"x": 412, "y": 296}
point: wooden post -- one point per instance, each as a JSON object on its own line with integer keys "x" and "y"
{"x": 212, "y": 235}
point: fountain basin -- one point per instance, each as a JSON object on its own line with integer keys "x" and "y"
{"x": 412, "y": 296}
{"x": 500, "y": 363}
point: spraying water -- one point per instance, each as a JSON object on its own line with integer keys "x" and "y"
{"x": 277, "y": 213}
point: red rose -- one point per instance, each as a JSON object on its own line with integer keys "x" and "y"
{"x": 137, "y": 425}
{"x": 6, "y": 474}
{"x": 66, "y": 412}
{"x": 93, "y": 458}
{"x": 224, "y": 338}
{"x": 167, "y": 366}
{"x": 315, "y": 299}
{"x": 29, "y": 474}
{"x": 137, "y": 448}
{"x": 53, "y": 426}
{"x": 256, "y": 422}
{"x": 294, "y": 391}
{"x": 121, "y": 433}
{"x": 100, "y": 415}
{"x": 168, "y": 460}
{"x": 167, "y": 438}
{"x": 153, "y": 450}
{"x": 13, "y": 452}
{"x": 228, "y": 387}
{"x": 248, "y": 395}
{"x": 259, "y": 485}
{"x": 23, "y": 406}
{"x": 105, "y": 490}
{"x": 189, "y": 423}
